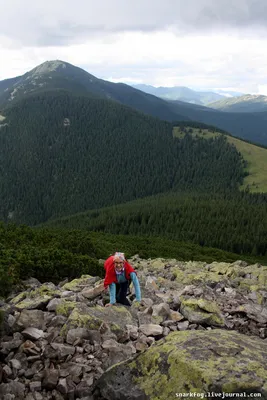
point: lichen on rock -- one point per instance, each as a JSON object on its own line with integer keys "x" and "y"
{"x": 193, "y": 361}
{"x": 201, "y": 311}
{"x": 74, "y": 285}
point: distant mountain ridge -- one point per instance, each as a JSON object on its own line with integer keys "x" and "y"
{"x": 245, "y": 103}
{"x": 181, "y": 93}
{"x": 59, "y": 75}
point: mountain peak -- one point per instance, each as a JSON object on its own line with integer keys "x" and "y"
{"x": 48, "y": 66}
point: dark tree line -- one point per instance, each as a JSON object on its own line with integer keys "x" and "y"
{"x": 235, "y": 222}
{"x": 50, "y": 254}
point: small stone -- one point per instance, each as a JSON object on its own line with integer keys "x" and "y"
{"x": 192, "y": 326}
{"x": 52, "y": 305}
{"x": 11, "y": 320}
{"x": 176, "y": 316}
{"x": 8, "y": 371}
{"x": 111, "y": 345}
{"x": 50, "y": 379}
{"x": 161, "y": 310}
{"x": 141, "y": 346}
{"x": 29, "y": 373}
{"x": 151, "y": 329}
{"x": 93, "y": 292}
{"x": 182, "y": 326}
{"x": 35, "y": 386}
{"x": 31, "y": 318}
{"x": 79, "y": 349}
{"x": 67, "y": 293}
{"x": 78, "y": 333}
{"x": 166, "y": 331}
{"x": 132, "y": 331}
{"x": 168, "y": 323}
{"x": 32, "y": 333}
{"x": 62, "y": 349}
{"x": 173, "y": 328}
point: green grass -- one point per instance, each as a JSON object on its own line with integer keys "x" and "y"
{"x": 255, "y": 156}
{"x": 204, "y": 132}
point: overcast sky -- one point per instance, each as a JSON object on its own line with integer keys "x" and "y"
{"x": 194, "y": 43}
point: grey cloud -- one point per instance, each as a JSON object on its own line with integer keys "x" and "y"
{"x": 62, "y": 22}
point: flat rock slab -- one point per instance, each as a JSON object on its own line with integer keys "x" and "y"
{"x": 151, "y": 329}
{"x": 91, "y": 293}
{"x": 33, "y": 333}
{"x": 76, "y": 285}
{"x": 116, "y": 318}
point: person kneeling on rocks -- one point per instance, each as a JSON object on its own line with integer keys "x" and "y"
{"x": 119, "y": 274}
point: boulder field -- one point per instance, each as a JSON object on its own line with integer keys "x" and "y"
{"x": 199, "y": 331}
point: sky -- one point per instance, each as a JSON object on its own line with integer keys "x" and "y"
{"x": 201, "y": 44}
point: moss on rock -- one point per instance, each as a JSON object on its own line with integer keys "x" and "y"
{"x": 200, "y": 273}
{"x": 82, "y": 316}
{"x": 74, "y": 285}
{"x": 35, "y": 298}
{"x": 65, "y": 307}
{"x": 195, "y": 273}
{"x": 196, "y": 362}
{"x": 17, "y": 299}
{"x": 44, "y": 290}
{"x": 201, "y": 311}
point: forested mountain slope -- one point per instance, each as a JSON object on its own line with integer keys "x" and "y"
{"x": 61, "y": 154}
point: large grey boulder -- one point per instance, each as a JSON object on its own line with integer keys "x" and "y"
{"x": 190, "y": 361}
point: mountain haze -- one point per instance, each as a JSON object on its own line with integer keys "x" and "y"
{"x": 181, "y": 93}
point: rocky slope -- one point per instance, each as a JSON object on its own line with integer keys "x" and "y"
{"x": 199, "y": 328}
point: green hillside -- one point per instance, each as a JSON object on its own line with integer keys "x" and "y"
{"x": 65, "y": 154}
{"x": 230, "y": 220}
{"x": 248, "y": 126}
{"x": 255, "y": 157}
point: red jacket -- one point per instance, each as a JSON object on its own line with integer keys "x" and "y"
{"x": 111, "y": 276}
